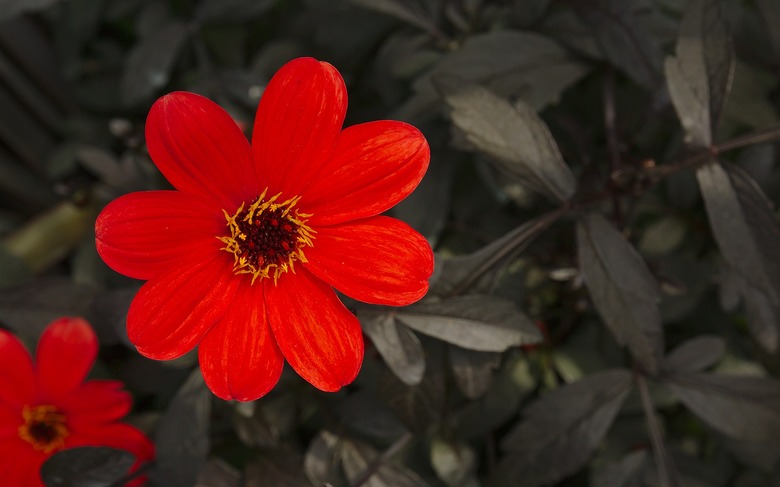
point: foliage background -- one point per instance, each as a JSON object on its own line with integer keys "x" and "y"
{"x": 601, "y": 198}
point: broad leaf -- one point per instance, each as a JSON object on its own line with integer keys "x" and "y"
{"x": 419, "y": 406}
{"x": 475, "y": 322}
{"x": 742, "y": 222}
{"x": 237, "y": 11}
{"x": 696, "y": 354}
{"x": 627, "y": 472}
{"x": 86, "y": 466}
{"x": 322, "y": 464}
{"x": 454, "y": 462}
{"x": 182, "y": 437}
{"x": 398, "y": 346}
{"x": 512, "y": 134}
{"x": 745, "y": 408}
{"x": 561, "y": 430}
{"x": 473, "y": 370}
{"x": 280, "y": 468}
{"x": 700, "y": 74}
{"x": 622, "y": 289}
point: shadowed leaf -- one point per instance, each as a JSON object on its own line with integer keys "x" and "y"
{"x": 398, "y": 346}
{"x": 279, "y": 467}
{"x": 696, "y": 354}
{"x": 622, "y": 289}
{"x": 322, "y": 463}
{"x": 231, "y": 10}
{"x": 182, "y": 438}
{"x": 627, "y": 472}
{"x": 700, "y": 74}
{"x": 473, "y": 370}
{"x": 512, "y": 134}
{"x": 148, "y": 66}
{"x": 87, "y": 466}
{"x": 561, "y": 430}
{"x": 475, "y": 322}
{"x": 746, "y": 408}
{"x": 357, "y": 457}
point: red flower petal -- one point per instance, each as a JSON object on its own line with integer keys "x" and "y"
{"x": 172, "y": 312}
{"x": 318, "y": 336}
{"x": 97, "y": 401}
{"x": 17, "y": 379}
{"x": 20, "y": 463}
{"x": 10, "y": 420}
{"x": 116, "y": 435}
{"x": 200, "y": 149}
{"x": 374, "y": 166}
{"x": 298, "y": 119}
{"x": 378, "y": 260}
{"x": 238, "y": 356}
{"x": 66, "y": 352}
{"x": 146, "y": 233}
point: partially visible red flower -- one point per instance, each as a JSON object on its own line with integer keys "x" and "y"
{"x": 244, "y": 256}
{"x": 47, "y": 406}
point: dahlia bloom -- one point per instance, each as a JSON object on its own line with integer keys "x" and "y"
{"x": 47, "y": 407}
{"x": 243, "y": 256}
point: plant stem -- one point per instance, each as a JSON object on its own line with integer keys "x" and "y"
{"x": 666, "y": 474}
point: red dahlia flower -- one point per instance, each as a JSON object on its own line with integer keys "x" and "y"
{"x": 47, "y": 407}
{"x": 244, "y": 256}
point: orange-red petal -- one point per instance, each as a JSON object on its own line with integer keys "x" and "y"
{"x": 17, "y": 379}
{"x": 239, "y": 357}
{"x": 200, "y": 149}
{"x": 66, "y": 352}
{"x": 172, "y": 312}
{"x": 298, "y": 119}
{"x": 10, "y": 420}
{"x": 95, "y": 402}
{"x": 20, "y": 463}
{"x": 144, "y": 234}
{"x": 378, "y": 260}
{"x": 318, "y": 336}
{"x": 374, "y": 166}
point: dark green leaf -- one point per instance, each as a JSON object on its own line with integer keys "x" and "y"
{"x": 763, "y": 316}
{"x": 625, "y": 473}
{"x": 746, "y": 408}
{"x": 399, "y": 347}
{"x": 744, "y": 226}
{"x": 625, "y": 41}
{"x": 231, "y": 10}
{"x": 454, "y": 462}
{"x": 218, "y": 473}
{"x": 455, "y": 275}
{"x": 415, "y": 13}
{"x": 182, "y": 437}
{"x": 561, "y": 430}
{"x": 473, "y": 370}
{"x": 357, "y": 457}
{"x": 322, "y": 462}
{"x": 476, "y": 322}
{"x": 622, "y": 289}
{"x": 696, "y": 354}
{"x": 280, "y": 468}
{"x": 512, "y": 134}
{"x": 86, "y": 466}
{"x": 149, "y": 64}
{"x": 699, "y": 76}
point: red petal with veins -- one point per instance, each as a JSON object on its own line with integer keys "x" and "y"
{"x": 374, "y": 166}
{"x": 20, "y": 463}
{"x": 239, "y": 356}
{"x": 17, "y": 379}
{"x": 66, "y": 352}
{"x": 378, "y": 260}
{"x": 200, "y": 149}
{"x": 144, "y": 234}
{"x": 318, "y": 336}
{"x": 298, "y": 120}
{"x": 95, "y": 402}
{"x": 172, "y": 312}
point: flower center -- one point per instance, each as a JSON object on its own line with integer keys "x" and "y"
{"x": 267, "y": 237}
{"x": 44, "y": 428}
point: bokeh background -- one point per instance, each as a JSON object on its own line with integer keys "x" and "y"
{"x": 601, "y": 198}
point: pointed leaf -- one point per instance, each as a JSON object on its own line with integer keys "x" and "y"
{"x": 357, "y": 457}
{"x": 321, "y": 463}
{"x": 475, "y": 322}
{"x": 473, "y": 370}
{"x": 745, "y": 408}
{"x": 699, "y": 76}
{"x": 87, "y": 466}
{"x": 622, "y": 289}
{"x": 696, "y": 354}
{"x": 627, "y": 472}
{"x": 560, "y": 431}
{"x": 512, "y": 134}
{"x": 398, "y": 346}
{"x": 744, "y": 226}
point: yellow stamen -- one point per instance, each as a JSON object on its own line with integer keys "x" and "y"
{"x": 44, "y": 428}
